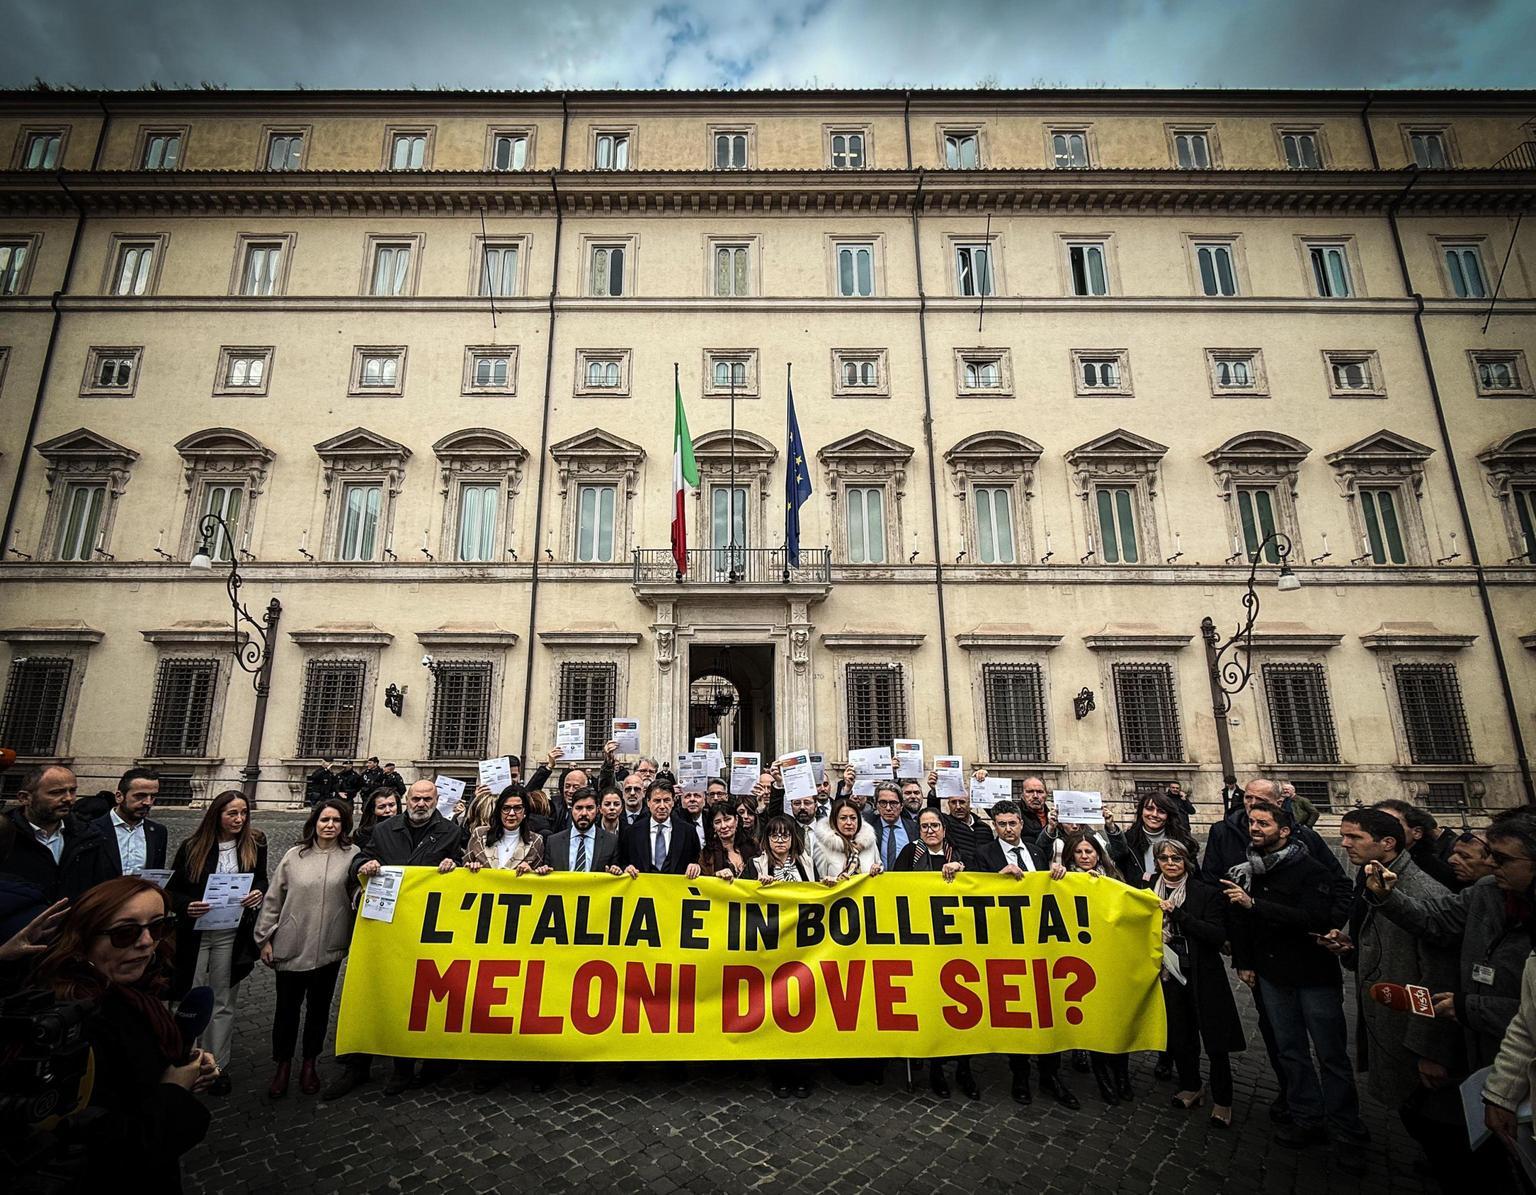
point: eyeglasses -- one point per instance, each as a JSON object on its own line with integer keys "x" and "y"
{"x": 127, "y": 934}
{"x": 1500, "y": 859}
{"x": 1468, "y": 837}
{"x": 884, "y": 801}
{"x": 781, "y": 834}
{"x": 506, "y": 809}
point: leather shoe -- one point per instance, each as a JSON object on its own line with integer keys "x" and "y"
{"x": 400, "y": 1080}
{"x": 1124, "y": 1089}
{"x": 278, "y": 1088}
{"x": 781, "y": 1091}
{"x": 1021, "y": 1092}
{"x": 967, "y": 1082}
{"x": 938, "y": 1083}
{"x": 309, "y": 1077}
{"x": 802, "y": 1090}
{"x": 343, "y": 1083}
{"x": 1058, "y": 1091}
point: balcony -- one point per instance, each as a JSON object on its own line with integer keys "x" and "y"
{"x": 744, "y": 572}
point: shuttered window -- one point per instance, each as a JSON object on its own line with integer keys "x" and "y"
{"x": 1015, "y": 706}
{"x": 461, "y": 710}
{"x": 1149, "y": 716}
{"x": 332, "y": 709}
{"x": 1300, "y": 714}
{"x": 182, "y": 710}
{"x": 35, "y": 693}
{"x": 877, "y": 705}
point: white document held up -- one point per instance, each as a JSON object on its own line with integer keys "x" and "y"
{"x": 797, "y": 775}
{"x": 158, "y": 876}
{"x": 746, "y": 767}
{"x": 819, "y": 765}
{"x": 571, "y": 738}
{"x": 987, "y": 793}
{"x": 449, "y": 793}
{"x": 711, "y": 744}
{"x": 496, "y": 774}
{"x": 909, "y": 758}
{"x": 951, "y": 776}
{"x": 224, "y": 891}
{"x": 692, "y": 771}
{"x": 626, "y": 733}
{"x": 870, "y": 765}
{"x": 1078, "y": 808}
{"x": 382, "y": 892}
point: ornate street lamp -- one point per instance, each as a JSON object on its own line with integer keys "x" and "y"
{"x": 252, "y": 649}
{"x": 1230, "y": 663}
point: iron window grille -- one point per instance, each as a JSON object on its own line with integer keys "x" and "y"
{"x": 1445, "y": 796}
{"x": 1319, "y": 792}
{"x": 1433, "y": 715}
{"x": 174, "y": 790}
{"x": 1149, "y": 716}
{"x": 461, "y": 710}
{"x": 35, "y": 693}
{"x": 877, "y": 705}
{"x": 590, "y": 692}
{"x": 1015, "y": 706}
{"x": 182, "y": 709}
{"x": 1145, "y": 786}
{"x": 332, "y": 709}
{"x": 1300, "y": 714}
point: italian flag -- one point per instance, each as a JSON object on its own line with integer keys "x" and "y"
{"x": 685, "y": 475}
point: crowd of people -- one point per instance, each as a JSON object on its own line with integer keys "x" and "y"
{"x": 1265, "y": 899}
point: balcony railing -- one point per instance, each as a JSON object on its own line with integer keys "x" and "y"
{"x": 1522, "y": 157}
{"x": 733, "y": 566}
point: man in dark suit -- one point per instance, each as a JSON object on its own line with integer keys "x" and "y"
{"x": 966, "y": 832}
{"x": 133, "y": 841}
{"x": 893, "y": 826}
{"x": 586, "y": 846}
{"x": 52, "y": 853}
{"x": 660, "y": 844}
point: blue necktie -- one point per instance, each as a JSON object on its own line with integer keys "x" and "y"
{"x": 581, "y": 852}
{"x": 661, "y": 845}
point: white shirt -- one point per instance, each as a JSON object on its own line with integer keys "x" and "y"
{"x": 505, "y": 846}
{"x": 1028, "y": 863}
{"x": 578, "y": 836}
{"x": 131, "y": 848}
{"x": 659, "y": 830}
{"x": 54, "y": 842}
{"x": 229, "y": 858}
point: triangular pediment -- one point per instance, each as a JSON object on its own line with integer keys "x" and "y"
{"x": 597, "y": 442}
{"x": 479, "y": 441}
{"x": 1382, "y": 446}
{"x": 1265, "y": 445}
{"x": 362, "y": 442}
{"x": 1119, "y": 443}
{"x": 749, "y": 447}
{"x": 866, "y": 445}
{"x": 993, "y": 445}
{"x": 222, "y": 441}
{"x": 82, "y": 442}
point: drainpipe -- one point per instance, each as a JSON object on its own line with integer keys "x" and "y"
{"x": 1511, "y": 710}
{"x": 25, "y": 455}
{"x": 933, "y": 480}
{"x": 538, "y": 500}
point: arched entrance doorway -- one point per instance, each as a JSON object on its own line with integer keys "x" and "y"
{"x": 730, "y": 693}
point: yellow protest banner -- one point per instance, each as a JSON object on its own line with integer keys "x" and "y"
{"x": 578, "y": 967}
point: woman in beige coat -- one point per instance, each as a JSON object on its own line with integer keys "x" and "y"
{"x": 303, "y": 932}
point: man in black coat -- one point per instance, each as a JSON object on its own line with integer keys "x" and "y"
{"x": 894, "y": 827}
{"x": 1227, "y": 845}
{"x": 133, "y": 840}
{"x": 1283, "y": 900}
{"x": 52, "y": 855}
{"x": 660, "y": 843}
{"x": 1032, "y": 808}
{"x": 586, "y": 846}
{"x": 321, "y": 784}
{"x": 964, "y": 830}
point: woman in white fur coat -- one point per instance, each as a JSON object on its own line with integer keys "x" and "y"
{"x": 845, "y": 844}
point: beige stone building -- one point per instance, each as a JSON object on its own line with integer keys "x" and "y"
{"x": 1060, "y": 360}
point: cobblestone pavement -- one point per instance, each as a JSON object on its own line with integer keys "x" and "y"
{"x": 720, "y": 1129}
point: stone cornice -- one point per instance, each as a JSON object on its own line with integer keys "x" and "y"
{"x": 72, "y": 631}
{"x": 1414, "y": 636}
{"x": 596, "y": 636}
{"x": 849, "y": 640}
{"x": 451, "y": 636}
{"x": 342, "y": 634}
{"x": 1134, "y": 637}
{"x": 194, "y": 634}
{"x": 1009, "y": 636}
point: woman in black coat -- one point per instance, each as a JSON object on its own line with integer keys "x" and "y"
{"x": 1196, "y": 992}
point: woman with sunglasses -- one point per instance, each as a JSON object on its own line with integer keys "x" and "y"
{"x": 113, "y": 951}
{"x": 224, "y": 842}
{"x": 378, "y": 806}
{"x": 304, "y": 930}
{"x": 506, "y": 842}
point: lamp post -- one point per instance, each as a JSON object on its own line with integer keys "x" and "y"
{"x": 253, "y": 653}
{"x": 1230, "y": 663}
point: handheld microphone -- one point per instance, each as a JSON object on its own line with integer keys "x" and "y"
{"x": 192, "y": 1017}
{"x": 1404, "y": 997}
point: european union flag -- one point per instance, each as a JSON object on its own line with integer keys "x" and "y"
{"x": 797, "y": 485}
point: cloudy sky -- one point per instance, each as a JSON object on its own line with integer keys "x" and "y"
{"x": 770, "y": 43}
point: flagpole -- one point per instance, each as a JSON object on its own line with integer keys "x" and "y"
{"x": 731, "y": 503}
{"x": 789, "y": 446}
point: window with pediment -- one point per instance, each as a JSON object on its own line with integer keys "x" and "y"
{"x": 86, "y": 476}
{"x": 1382, "y": 480}
{"x": 597, "y": 473}
{"x": 224, "y": 472}
{"x": 1511, "y": 467}
{"x": 866, "y": 477}
{"x": 1116, "y": 477}
{"x": 994, "y": 480}
{"x": 362, "y": 473}
{"x": 1256, "y": 476}
{"x": 480, "y": 474}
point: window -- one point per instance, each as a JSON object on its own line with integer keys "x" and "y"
{"x": 1354, "y": 374}
{"x": 1464, "y": 269}
{"x": 391, "y": 273}
{"x": 1192, "y": 149}
{"x": 1500, "y": 374}
{"x": 847, "y": 150}
{"x": 1086, "y": 265}
{"x": 182, "y": 710}
{"x": 1434, "y": 720}
{"x": 509, "y": 151}
{"x": 611, "y": 151}
{"x": 962, "y": 149}
{"x": 1014, "y": 696}
{"x": 460, "y": 722}
{"x": 408, "y": 151}
{"x": 285, "y": 149}
{"x": 1236, "y": 372}
{"x": 478, "y": 506}
{"x": 162, "y": 150}
{"x": 1116, "y": 509}
{"x": 331, "y": 711}
{"x": 1148, "y": 714}
{"x": 994, "y": 524}
{"x": 358, "y": 537}
{"x": 856, "y": 270}
{"x": 1301, "y": 149}
{"x": 1217, "y": 272}
{"x": 1069, "y": 149}
{"x": 859, "y": 373}
{"x": 1445, "y": 797}
{"x": 1300, "y": 715}
{"x": 877, "y": 705}
{"x": 730, "y": 370}
{"x": 1429, "y": 150}
{"x": 589, "y": 692}
{"x": 16, "y": 265}
{"x": 226, "y": 501}
{"x": 1330, "y": 270}
{"x": 728, "y": 529}
{"x": 378, "y": 370}
{"x": 80, "y": 528}
{"x": 42, "y": 149}
{"x": 730, "y": 150}
{"x": 262, "y": 271}
{"x": 607, "y": 275}
{"x": 985, "y": 373}
{"x": 499, "y": 269}
{"x": 732, "y": 271}
{"x": 243, "y": 371}
{"x": 1383, "y": 527}
{"x": 1100, "y": 373}
{"x": 490, "y": 369}
{"x": 35, "y": 695}
{"x": 134, "y": 271}
{"x": 1523, "y": 500}
{"x": 111, "y": 371}
{"x": 1256, "y": 509}
{"x": 973, "y": 270}
{"x": 866, "y": 524}
{"x": 595, "y": 523}
{"x": 602, "y": 373}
